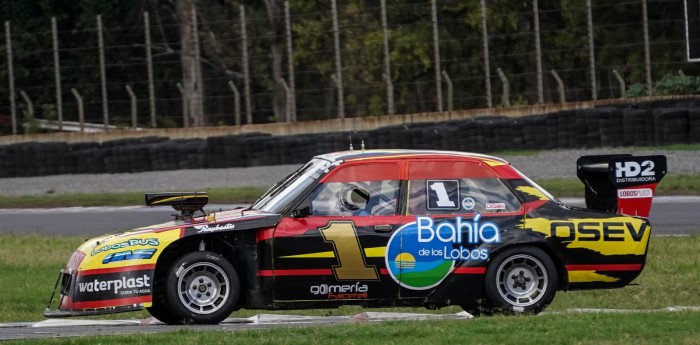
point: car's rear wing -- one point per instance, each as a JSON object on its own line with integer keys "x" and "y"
{"x": 622, "y": 184}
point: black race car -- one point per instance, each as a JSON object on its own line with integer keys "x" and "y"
{"x": 375, "y": 228}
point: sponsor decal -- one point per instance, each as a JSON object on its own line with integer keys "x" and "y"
{"x": 607, "y": 236}
{"x": 597, "y": 231}
{"x": 345, "y": 291}
{"x": 635, "y": 193}
{"x": 117, "y": 285}
{"x": 138, "y": 254}
{"x": 626, "y": 172}
{"x": 493, "y": 206}
{"x": 442, "y": 194}
{"x": 128, "y": 243}
{"x": 107, "y": 286}
{"x": 468, "y": 204}
{"x": 422, "y": 253}
{"x": 211, "y": 228}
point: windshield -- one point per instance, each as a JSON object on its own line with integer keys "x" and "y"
{"x": 277, "y": 197}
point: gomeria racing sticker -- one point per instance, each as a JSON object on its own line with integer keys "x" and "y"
{"x": 422, "y": 253}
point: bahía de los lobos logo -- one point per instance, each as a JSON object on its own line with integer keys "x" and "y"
{"x": 422, "y": 253}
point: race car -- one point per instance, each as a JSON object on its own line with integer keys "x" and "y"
{"x": 376, "y": 228}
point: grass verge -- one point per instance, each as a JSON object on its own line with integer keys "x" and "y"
{"x": 636, "y": 328}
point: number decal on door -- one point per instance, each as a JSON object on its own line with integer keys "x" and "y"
{"x": 346, "y": 245}
{"x": 442, "y": 195}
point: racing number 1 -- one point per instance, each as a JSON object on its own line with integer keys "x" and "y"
{"x": 346, "y": 245}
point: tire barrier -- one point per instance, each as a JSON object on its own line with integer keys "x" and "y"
{"x": 640, "y": 125}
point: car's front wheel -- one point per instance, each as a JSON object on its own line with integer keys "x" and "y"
{"x": 202, "y": 288}
{"x": 521, "y": 279}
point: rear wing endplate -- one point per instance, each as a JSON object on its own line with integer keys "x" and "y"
{"x": 622, "y": 184}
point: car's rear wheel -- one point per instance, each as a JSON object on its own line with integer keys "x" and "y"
{"x": 202, "y": 288}
{"x": 521, "y": 279}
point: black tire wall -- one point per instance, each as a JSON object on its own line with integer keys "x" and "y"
{"x": 636, "y": 125}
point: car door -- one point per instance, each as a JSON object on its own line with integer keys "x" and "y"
{"x": 456, "y": 207}
{"x": 335, "y": 249}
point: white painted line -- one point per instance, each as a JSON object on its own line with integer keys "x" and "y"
{"x": 384, "y": 316}
{"x": 273, "y": 319}
{"x": 74, "y": 322}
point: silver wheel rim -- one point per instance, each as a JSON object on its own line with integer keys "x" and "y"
{"x": 203, "y": 288}
{"x": 522, "y": 280}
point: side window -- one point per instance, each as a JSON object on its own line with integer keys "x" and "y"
{"x": 362, "y": 198}
{"x": 443, "y": 187}
{"x": 483, "y": 195}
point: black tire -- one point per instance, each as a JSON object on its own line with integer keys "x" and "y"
{"x": 520, "y": 280}
{"x": 162, "y": 313}
{"x": 201, "y": 288}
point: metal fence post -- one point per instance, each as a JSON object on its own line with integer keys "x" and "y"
{"x": 620, "y": 80}
{"x": 560, "y": 86}
{"x": 57, "y": 74}
{"x": 506, "y": 87}
{"x": 448, "y": 81}
{"x": 436, "y": 53}
{"x": 246, "y": 71}
{"x": 387, "y": 64}
{"x": 81, "y": 110}
{"x": 647, "y": 57}
{"x": 134, "y": 108}
{"x": 338, "y": 65}
{"x": 103, "y": 73}
{"x": 11, "y": 77}
{"x": 487, "y": 67}
{"x": 185, "y": 110}
{"x": 287, "y": 99}
{"x": 290, "y": 61}
{"x": 30, "y": 105}
{"x": 236, "y": 103}
{"x": 591, "y": 50}
{"x": 538, "y": 52}
{"x": 149, "y": 70}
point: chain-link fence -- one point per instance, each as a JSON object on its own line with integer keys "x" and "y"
{"x": 187, "y": 63}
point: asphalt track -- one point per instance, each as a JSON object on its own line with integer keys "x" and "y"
{"x": 677, "y": 215}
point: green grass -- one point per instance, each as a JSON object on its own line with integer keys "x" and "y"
{"x": 637, "y": 328}
{"x": 30, "y": 264}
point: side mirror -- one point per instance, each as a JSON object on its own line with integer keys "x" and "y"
{"x": 301, "y": 212}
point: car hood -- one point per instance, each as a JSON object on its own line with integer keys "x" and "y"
{"x": 233, "y": 220}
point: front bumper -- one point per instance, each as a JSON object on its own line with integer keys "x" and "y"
{"x": 99, "y": 293}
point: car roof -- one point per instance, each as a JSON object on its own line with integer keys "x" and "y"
{"x": 405, "y": 154}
